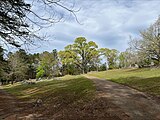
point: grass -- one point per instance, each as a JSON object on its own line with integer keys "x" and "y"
{"x": 146, "y": 80}
{"x": 62, "y": 97}
{"x": 75, "y": 87}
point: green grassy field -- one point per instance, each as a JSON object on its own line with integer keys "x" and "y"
{"x": 68, "y": 88}
{"x": 146, "y": 80}
{"x": 62, "y": 97}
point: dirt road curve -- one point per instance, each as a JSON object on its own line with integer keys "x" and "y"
{"x": 135, "y": 104}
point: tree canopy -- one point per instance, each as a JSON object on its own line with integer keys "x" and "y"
{"x": 80, "y": 53}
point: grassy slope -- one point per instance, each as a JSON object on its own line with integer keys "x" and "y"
{"x": 61, "y": 97}
{"x": 70, "y": 98}
{"x": 68, "y": 86}
{"x": 146, "y": 80}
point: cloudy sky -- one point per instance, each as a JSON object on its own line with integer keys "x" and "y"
{"x": 107, "y": 22}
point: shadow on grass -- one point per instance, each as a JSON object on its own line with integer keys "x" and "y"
{"x": 56, "y": 96}
{"x": 63, "y": 91}
{"x": 23, "y": 90}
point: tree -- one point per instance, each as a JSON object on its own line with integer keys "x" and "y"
{"x": 48, "y": 64}
{"x": 68, "y": 63}
{"x": 1, "y": 61}
{"x": 3, "y": 66}
{"x": 128, "y": 58}
{"x": 148, "y": 46}
{"x": 12, "y": 20}
{"x": 80, "y": 53}
{"x": 33, "y": 60}
{"x": 122, "y": 60}
{"x": 56, "y": 64}
{"x": 102, "y": 67}
{"x": 111, "y": 57}
{"x": 95, "y": 61}
{"x": 18, "y": 66}
{"x": 40, "y": 72}
{"x": 19, "y": 24}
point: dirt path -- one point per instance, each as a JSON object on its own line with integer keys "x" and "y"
{"x": 135, "y": 104}
{"x": 7, "y": 105}
{"x": 11, "y": 108}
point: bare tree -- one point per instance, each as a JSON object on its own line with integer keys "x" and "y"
{"x": 148, "y": 45}
{"x": 21, "y": 21}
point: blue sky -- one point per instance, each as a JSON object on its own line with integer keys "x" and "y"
{"x": 107, "y": 22}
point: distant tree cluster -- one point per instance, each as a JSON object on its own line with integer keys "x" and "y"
{"x": 77, "y": 58}
{"x": 81, "y": 57}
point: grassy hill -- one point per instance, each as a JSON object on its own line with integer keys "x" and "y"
{"x": 60, "y": 97}
{"x": 70, "y": 86}
{"x": 71, "y": 97}
{"x": 146, "y": 80}
{"x": 67, "y": 98}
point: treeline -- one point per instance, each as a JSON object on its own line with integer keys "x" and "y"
{"x": 77, "y": 58}
{"x": 81, "y": 57}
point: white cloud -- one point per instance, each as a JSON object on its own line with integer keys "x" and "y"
{"x": 109, "y": 23}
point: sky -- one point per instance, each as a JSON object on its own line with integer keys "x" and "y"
{"x": 109, "y": 23}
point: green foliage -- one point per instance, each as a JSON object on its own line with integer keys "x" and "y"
{"x": 18, "y": 65}
{"x": 32, "y": 65}
{"x": 102, "y": 67}
{"x": 49, "y": 63}
{"x": 40, "y": 72}
{"x": 81, "y": 54}
{"x": 122, "y": 60}
{"x": 111, "y": 57}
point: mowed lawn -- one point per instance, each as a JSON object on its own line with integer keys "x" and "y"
{"x": 67, "y": 98}
{"x": 146, "y": 80}
{"x": 73, "y": 87}
{"x": 62, "y": 97}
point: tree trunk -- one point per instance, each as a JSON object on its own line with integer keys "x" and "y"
{"x": 97, "y": 68}
{"x": 83, "y": 71}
